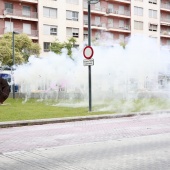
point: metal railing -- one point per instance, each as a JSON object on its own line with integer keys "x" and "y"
{"x": 33, "y": 33}
{"x": 165, "y": 32}
{"x": 20, "y": 13}
{"x": 117, "y": 26}
{"x": 165, "y": 19}
{"x": 118, "y": 12}
{"x": 166, "y": 6}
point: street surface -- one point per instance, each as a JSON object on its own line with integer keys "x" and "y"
{"x": 128, "y": 143}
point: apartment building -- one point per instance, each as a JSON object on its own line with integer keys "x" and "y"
{"x": 20, "y": 16}
{"x": 44, "y": 21}
{"x": 121, "y": 18}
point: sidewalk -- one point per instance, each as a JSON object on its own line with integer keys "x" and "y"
{"x": 71, "y": 119}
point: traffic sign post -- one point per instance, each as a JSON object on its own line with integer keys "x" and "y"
{"x": 88, "y": 54}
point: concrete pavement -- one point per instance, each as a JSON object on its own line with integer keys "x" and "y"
{"x": 127, "y": 143}
{"x": 139, "y": 153}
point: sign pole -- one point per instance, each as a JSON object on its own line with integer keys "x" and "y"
{"x": 89, "y": 67}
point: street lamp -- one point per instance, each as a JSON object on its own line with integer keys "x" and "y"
{"x": 89, "y": 44}
{"x": 13, "y": 59}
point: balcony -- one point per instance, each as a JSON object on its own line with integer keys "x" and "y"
{"x": 28, "y": 1}
{"x": 165, "y": 33}
{"x": 95, "y": 9}
{"x": 118, "y": 28}
{"x": 165, "y": 6}
{"x": 120, "y": 13}
{"x": 95, "y": 25}
{"x": 165, "y": 21}
{"x": 33, "y": 33}
{"x": 122, "y": 1}
{"x": 20, "y": 14}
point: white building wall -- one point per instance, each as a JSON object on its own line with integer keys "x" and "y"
{"x": 145, "y": 18}
{"x": 60, "y": 21}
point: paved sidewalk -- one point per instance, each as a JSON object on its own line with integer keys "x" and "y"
{"x": 78, "y": 118}
{"x": 136, "y": 153}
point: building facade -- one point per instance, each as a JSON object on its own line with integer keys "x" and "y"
{"x": 121, "y": 18}
{"x": 44, "y": 21}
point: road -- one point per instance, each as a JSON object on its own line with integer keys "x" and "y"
{"x": 139, "y": 142}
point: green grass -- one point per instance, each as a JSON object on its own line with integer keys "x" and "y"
{"x": 16, "y": 109}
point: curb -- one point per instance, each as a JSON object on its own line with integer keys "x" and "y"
{"x": 73, "y": 119}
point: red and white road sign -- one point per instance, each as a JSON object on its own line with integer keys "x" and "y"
{"x": 88, "y": 52}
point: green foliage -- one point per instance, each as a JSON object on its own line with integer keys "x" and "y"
{"x": 57, "y": 46}
{"x": 24, "y": 47}
{"x": 123, "y": 44}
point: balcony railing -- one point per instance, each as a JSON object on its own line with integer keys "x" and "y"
{"x": 118, "y": 12}
{"x": 165, "y": 32}
{"x": 98, "y": 24}
{"x": 95, "y": 24}
{"x": 116, "y": 26}
{"x": 95, "y": 8}
{"x": 20, "y": 13}
{"x": 165, "y": 19}
{"x": 125, "y": 0}
{"x": 33, "y": 1}
{"x": 166, "y": 6}
{"x": 33, "y": 33}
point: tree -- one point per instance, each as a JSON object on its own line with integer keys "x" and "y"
{"x": 24, "y": 47}
{"x": 58, "y": 46}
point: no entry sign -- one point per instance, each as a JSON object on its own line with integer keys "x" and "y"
{"x": 88, "y": 52}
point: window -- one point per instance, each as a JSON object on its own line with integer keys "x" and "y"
{"x": 121, "y": 24}
{"x": 97, "y": 6}
{"x": 72, "y": 32}
{"x": 97, "y": 21}
{"x": 110, "y": 22}
{"x": 152, "y": 27}
{"x": 8, "y": 26}
{"x": 9, "y": 7}
{"x": 85, "y": 19}
{"x": 152, "y": 13}
{"x": 138, "y": 25}
{"x": 26, "y": 11}
{"x": 121, "y": 10}
{"x": 121, "y": 37}
{"x": 27, "y": 28}
{"x": 168, "y": 42}
{"x": 46, "y": 46}
{"x": 138, "y": 11}
{"x": 50, "y": 12}
{"x": 50, "y": 29}
{"x": 110, "y": 8}
{"x": 72, "y": 15}
{"x": 73, "y": 2}
{"x": 153, "y": 1}
{"x": 85, "y": 34}
{"x": 97, "y": 35}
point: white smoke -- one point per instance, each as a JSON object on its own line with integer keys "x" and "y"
{"x": 117, "y": 73}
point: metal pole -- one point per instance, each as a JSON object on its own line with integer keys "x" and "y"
{"x": 89, "y": 67}
{"x": 13, "y": 58}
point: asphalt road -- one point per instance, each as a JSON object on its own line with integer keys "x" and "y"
{"x": 139, "y": 142}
